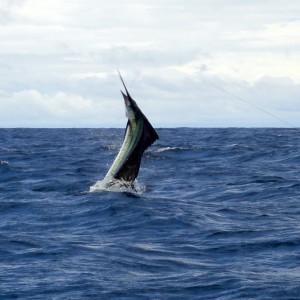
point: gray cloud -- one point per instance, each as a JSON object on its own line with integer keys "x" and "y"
{"x": 7, "y": 10}
{"x": 176, "y": 56}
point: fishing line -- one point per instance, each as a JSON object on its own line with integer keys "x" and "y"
{"x": 249, "y": 103}
{"x": 240, "y": 99}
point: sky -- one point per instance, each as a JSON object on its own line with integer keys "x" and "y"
{"x": 187, "y": 63}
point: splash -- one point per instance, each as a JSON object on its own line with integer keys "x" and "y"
{"x": 117, "y": 186}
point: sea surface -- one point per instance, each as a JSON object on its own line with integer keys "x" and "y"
{"x": 217, "y": 216}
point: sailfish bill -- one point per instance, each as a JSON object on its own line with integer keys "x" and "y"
{"x": 139, "y": 135}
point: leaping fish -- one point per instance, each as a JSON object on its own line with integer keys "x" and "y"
{"x": 139, "y": 135}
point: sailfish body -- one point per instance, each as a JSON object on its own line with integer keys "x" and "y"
{"x": 139, "y": 135}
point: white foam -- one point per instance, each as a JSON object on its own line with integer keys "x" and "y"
{"x": 117, "y": 186}
{"x": 166, "y": 149}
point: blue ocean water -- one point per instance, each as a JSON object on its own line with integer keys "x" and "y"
{"x": 218, "y": 218}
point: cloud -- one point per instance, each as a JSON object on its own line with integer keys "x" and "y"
{"x": 31, "y": 108}
{"x": 7, "y": 9}
{"x": 282, "y": 92}
{"x": 60, "y": 55}
{"x": 276, "y": 36}
{"x": 204, "y": 101}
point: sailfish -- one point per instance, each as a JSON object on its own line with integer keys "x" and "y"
{"x": 139, "y": 135}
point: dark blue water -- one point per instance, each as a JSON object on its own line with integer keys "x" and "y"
{"x": 219, "y": 217}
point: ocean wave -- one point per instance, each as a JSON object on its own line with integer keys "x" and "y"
{"x": 215, "y": 215}
{"x": 4, "y": 167}
{"x": 168, "y": 149}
